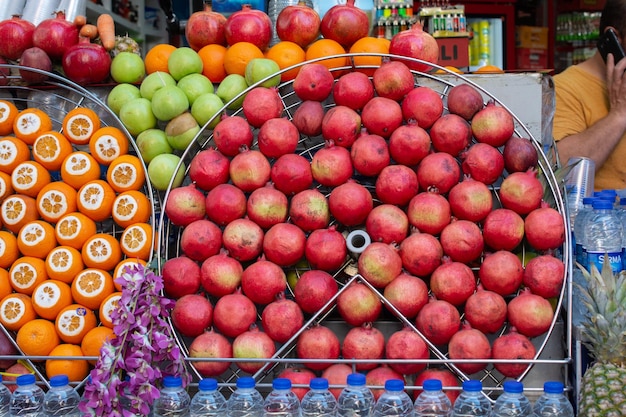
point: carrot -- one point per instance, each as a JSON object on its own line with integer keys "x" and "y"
{"x": 80, "y": 21}
{"x": 88, "y": 31}
{"x": 106, "y": 30}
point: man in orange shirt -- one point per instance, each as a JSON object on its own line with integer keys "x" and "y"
{"x": 590, "y": 117}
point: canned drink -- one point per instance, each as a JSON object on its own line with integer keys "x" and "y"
{"x": 579, "y": 181}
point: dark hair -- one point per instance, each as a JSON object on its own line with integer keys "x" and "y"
{"x": 614, "y": 14}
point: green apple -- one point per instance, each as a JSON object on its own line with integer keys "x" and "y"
{"x": 120, "y": 94}
{"x": 194, "y": 85}
{"x": 166, "y": 168}
{"x": 181, "y": 130}
{"x": 127, "y": 67}
{"x": 205, "y": 107}
{"x": 231, "y": 86}
{"x": 260, "y": 68}
{"x": 137, "y": 116}
{"x": 152, "y": 142}
{"x": 184, "y": 61}
{"x": 168, "y": 102}
{"x": 153, "y": 82}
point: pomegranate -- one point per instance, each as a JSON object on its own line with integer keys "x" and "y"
{"x": 185, "y": 205}
{"x": 253, "y": 344}
{"x": 407, "y": 294}
{"x": 326, "y": 249}
{"x": 409, "y": 144}
{"x": 415, "y": 43}
{"x": 208, "y": 169}
{"x": 469, "y": 343}
{"x": 501, "y": 272}
{"x": 210, "y": 345}
{"x": 181, "y": 276}
{"x": 267, "y": 206}
{"x": 544, "y": 275}
{"x": 378, "y": 376}
{"x": 201, "y": 239}
{"x": 482, "y": 162}
{"x": 405, "y": 344}
{"x": 225, "y": 203}
{"x": 396, "y": 184}
{"x": 358, "y": 304}
{"x": 521, "y": 191}
{"x": 380, "y": 263}
{"x": 353, "y": 89}
{"x": 485, "y": 310}
{"x": 470, "y": 200}
{"x": 387, "y": 223}
{"x": 345, "y": 23}
{"x": 205, "y": 27}
{"x": 544, "y": 228}
{"x": 493, "y": 125}
{"x": 284, "y": 243}
{"x": 318, "y": 342}
{"x": 519, "y": 154}
{"x": 382, "y": 116}
{"x": 337, "y": 374}
{"x": 429, "y": 212}
{"x": 298, "y": 23}
{"x": 462, "y": 241}
{"x": 192, "y": 314}
{"x": 447, "y": 378}
{"x": 309, "y": 210}
{"x": 313, "y": 82}
{"x": 314, "y": 289}
{"x": 531, "y": 314}
{"x": 231, "y": 133}
{"x": 438, "y": 321}
{"x": 243, "y": 239}
{"x": 291, "y": 173}
{"x": 249, "y": 25}
{"x": 332, "y": 166}
{"x": 38, "y": 59}
{"x": 220, "y": 274}
{"x": 308, "y": 118}
{"x": 262, "y": 104}
{"x": 503, "y": 229}
{"x": 298, "y": 376}
{"x": 422, "y": 104}
{"x": 86, "y": 62}
{"x": 16, "y": 36}
{"x": 249, "y": 169}
{"x": 282, "y": 318}
{"x": 341, "y": 125}
{"x": 369, "y": 154}
{"x": 438, "y": 172}
{"x": 451, "y": 134}
{"x": 262, "y": 280}
{"x": 393, "y": 80}
{"x": 464, "y": 100}
{"x": 453, "y": 282}
{"x": 421, "y": 254}
{"x": 278, "y": 137}
{"x": 512, "y": 345}
{"x": 233, "y": 314}
{"x": 363, "y": 342}
{"x": 350, "y": 203}
{"x": 55, "y": 36}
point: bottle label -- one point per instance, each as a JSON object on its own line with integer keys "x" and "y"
{"x": 598, "y": 258}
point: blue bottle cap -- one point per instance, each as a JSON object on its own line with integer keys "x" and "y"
{"x": 472, "y": 385}
{"x": 394, "y": 385}
{"x": 588, "y": 200}
{"x": 172, "y": 381}
{"x": 602, "y": 204}
{"x": 432, "y": 385}
{"x": 281, "y": 383}
{"x": 25, "y": 379}
{"x": 319, "y": 383}
{"x": 514, "y": 387}
{"x": 59, "y": 381}
{"x": 246, "y": 382}
{"x": 356, "y": 379}
{"x": 553, "y": 387}
{"x": 207, "y": 384}
{"x": 622, "y": 201}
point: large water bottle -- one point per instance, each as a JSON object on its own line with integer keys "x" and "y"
{"x": 246, "y": 401}
{"x": 603, "y": 235}
{"x": 472, "y": 402}
{"x": 318, "y": 401}
{"x": 208, "y": 401}
{"x": 5, "y": 399}
{"x": 282, "y": 401}
{"x": 512, "y": 402}
{"x": 394, "y": 402}
{"x": 173, "y": 400}
{"x": 27, "y": 399}
{"x": 61, "y": 399}
{"x": 553, "y": 402}
{"x": 432, "y": 401}
{"x": 356, "y": 399}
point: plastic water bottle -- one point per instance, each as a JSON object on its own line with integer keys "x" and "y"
{"x": 27, "y": 399}
{"x": 246, "y": 401}
{"x": 319, "y": 401}
{"x": 579, "y": 230}
{"x": 282, "y": 401}
{"x": 61, "y": 399}
{"x": 394, "y": 401}
{"x": 208, "y": 401}
{"x": 512, "y": 402}
{"x": 603, "y": 234}
{"x": 432, "y": 402}
{"x": 621, "y": 213}
{"x": 472, "y": 402}
{"x": 174, "y": 399}
{"x": 5, "y": 399}
{"x": 553, "y": 402}
{"x": 356, "y": 399}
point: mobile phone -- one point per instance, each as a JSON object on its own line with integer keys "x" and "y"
{"x": 609, "y": 43}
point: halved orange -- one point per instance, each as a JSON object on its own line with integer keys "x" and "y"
{"x": 107, "y": 306}
{"x": 13, "y": 151}
{"x": 5, "y": 283}
{"x": 136, "y": 241}
{"x": 8, "y": 113}
{"x": 74, "y": 229}
{"x": 17, "y": 210}
{"x": 95, "y": 200}
{"x": 16, "y": 309}
{"x": 30, "y": 123}
{"x": 50, "y": 297}
{"x": 131, "y": 207}
{"x": 122, "y": 267}
{"x": 8, "y": 249}
{"x": 101, "y": 251}
{"x": 94, "y": 340}
{"x": 107, "y": 144}
{"x": 79, "y": 124}
{"x": 36, "y": 239}
{"x": 78, "y": 168}
{"x": 50, "y": 149}
{"x": 126, "y": 173}
{"x": 6, "y": 188}
{"x": 73, "y": 323}
{"x": 29, "y": 178}
{"x": 26, "y": 273}
{"x": 76, "y": 369}
{"x": 37, "y": 337}
{"x": 91, "y": 286}
{"x": 55, "y": 200}
{"x": 63, "y": 263}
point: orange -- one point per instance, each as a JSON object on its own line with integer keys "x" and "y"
{"x": 238, "y": 55}
{"x": 50, "y": 297}
{"x": 16, "y": 309}
{"x": 29, "y": 178}
{"x": 131, "y": 207}
{"x": 136, "y": 241}
{"x": 107, "y": 144}
{"x": 50, "y": 149}
{"x": 369, "y": 44}
{"x": 121, "y": 268}
{"x": 91, "y": 286}
{"x": 30, "y": 123}
{"x": 74, "y": 229}
{"x": 212, "y": 56}
{"x": 37, "y": 337}
{"x": 489, "y": 69}
{"x": 286, "y": 54}
{"x": 55, "y": 200}
{"x": 94, "y": 340}
{"x": 101, "y": 251}
{"x": 36, "y": 239}
{"x": 63, "y": 263}
{"x": 26, "y": 273}
{"x": 449, "y": 68}
{"x": 79, "y": 168}
{"x": 5, "y": 283}
{"x": 76, "y": 369}
{"x": 13, "y": 151}
{"x": 107, "y": 306}
{"x": 95, "y": 200}
{"x": 8, "y": 249}
{"x": 157, "y": 57}
{"x": 73, "y": 322}
{"x": 79, "y": 124}
{"x": 324, "y": 48}
{"x": 6, "y": 188}
{"x": 8, "y": 112}
{"x": 17, "y": 210}
{"x": 126, "y": 173}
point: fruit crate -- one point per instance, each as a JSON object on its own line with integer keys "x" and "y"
{"x": 57, "y": 96}
{"x": 552, "y": 358}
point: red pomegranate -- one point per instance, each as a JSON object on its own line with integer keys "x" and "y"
{"x": 291, "y": 173}
{"x": 342, "y": 125}
{"x": 493, "y": 125}
{"x": 231, "y": 133}
{"x": 470, "y": 200}
{"x": 429, "y": 212}
{"x": 326, "y": 249}
{"x": 267, "y": 206}
{"x": 318, "y": 342}
{"x": 17, "y": 36}
{"x": 406, "y": 344}
{"x": 438, "y": 172}
{"x": 380, "y": 263}
{"x": 462, "y": 241}
{"x": 233, "y": 314}
{"x": 451, "y": 134}
{"x": 438, "y": 321}
{"x": 205, "y": 27}
{"x": 243, "y": 239}
{"x": 421, "y": 254}
{"x": 55, "y": 35}
{"x": 415, "y": 43}
{"x": 422, "y": 104}
{"x": 345, "y": 23}
{"x": 512, "y": 345}
{"x": 283, "y": 244}
{"x": 382, "y": 116}
{"x": 503, "y": 229}
{"x": 409, "y": 144}
{"x": 358, "y": 304}
{"x": 407, "y": 294}
{"x": 262, "y": 104}
{"x": 221, "y": 274}
{"x": 544, "y": 228}
{"x": 387, "y": 223}
{"x": 225, "y": 203}
{"x": 393, "y": 80}
{"x": 277, "y": 137}
{"x": 254, "y": 344}
{"x": 531, "y": 314}
{"x": 350, "y": 203}
{"x": 282, "y": 318}
{"x": 544, "y": 275}
{"x": 363, "y": 342}
{"x": 521, "y": 192}
{"x": 208, "y": 169}
{"x": 501, "y": 272}
{"x": 298, "y": 23}
{"x": 249, "y": 169}
{"x": 248, "y": 25}
{"x": 331, "y": 165}
{"x": 469, "y": 343}
{"x": 485, "y": 310}
{"x": 369, "y": 154}
{"x": 309, "y": 210}
{"x": 482, "y": 162}
{"x": 210, "y": 345}
{"x": 397, "y": 184}
{"x": 453, "y": 282}
{"x": 314, "y": 289}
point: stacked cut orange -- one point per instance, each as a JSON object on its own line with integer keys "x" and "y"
{"x": 63, "y": 242}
